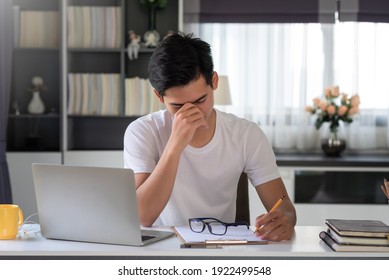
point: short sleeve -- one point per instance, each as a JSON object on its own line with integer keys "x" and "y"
{"x": 261, "y": 166}
{"x": 139, "y": 152}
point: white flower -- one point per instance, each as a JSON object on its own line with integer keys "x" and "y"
{"x": 37, "y": 84}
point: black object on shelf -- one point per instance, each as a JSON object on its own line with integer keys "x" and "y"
{"x": 33, "y": 142}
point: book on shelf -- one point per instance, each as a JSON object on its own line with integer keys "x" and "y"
{"x": 37, "y": 29}
{"x": 94, "y": 27}
{"x": 71, "y": 93}
{"x": 114, "y": 105}
{"x": 338, "y": 247}
{"x": 139, "y": 97}
{"x": 94, "y": 94}
{"x": 358, "y": 228}
{"x": 110, "y": 95}
{"x": 85, "y": 95}
{"x": 131, "y": 96}
{"x": 87, "y": 27}
{"x": 145, "y": 96}
{"x": 78, "y": 98}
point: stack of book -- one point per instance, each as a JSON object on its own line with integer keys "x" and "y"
{"x": 94, "y": 27}
{"x": 36, "y": 29}
{"x": 140, "y": 98}
{"x": 94, "y": 94}
{"x": 356, "y": 235}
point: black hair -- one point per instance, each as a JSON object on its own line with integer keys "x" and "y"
{"x": 178, "y": 60}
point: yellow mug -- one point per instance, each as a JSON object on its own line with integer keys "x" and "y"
{"x": 11, "y": 217}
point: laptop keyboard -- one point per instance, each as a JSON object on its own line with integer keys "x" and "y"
{"x": 147, "y": 237}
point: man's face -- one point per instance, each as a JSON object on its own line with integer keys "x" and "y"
{"x": 197, "y": 93}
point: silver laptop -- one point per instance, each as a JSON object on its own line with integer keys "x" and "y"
{"x": 90, "y": 204}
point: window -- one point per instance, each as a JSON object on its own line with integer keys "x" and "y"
{"x": 275, "y": 70}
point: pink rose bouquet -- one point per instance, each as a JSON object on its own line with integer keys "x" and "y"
{"x": 333, "y": 108}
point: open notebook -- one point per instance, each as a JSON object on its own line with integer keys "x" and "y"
{"x": 90, "y": 204}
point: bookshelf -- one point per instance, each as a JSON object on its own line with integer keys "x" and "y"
{"x": 102, "y": 128}
{"x": 62, "y": 135}
{"x": 85, "y": 69}
{"x": 36, "y": 40}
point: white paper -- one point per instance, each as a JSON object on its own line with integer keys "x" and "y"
{"x": 233, "y": 233}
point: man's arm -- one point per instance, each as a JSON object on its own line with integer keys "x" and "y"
{"x": 278, "y": 224}
{"x": 154, "y": 190}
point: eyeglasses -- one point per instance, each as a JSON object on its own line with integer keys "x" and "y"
{"x": 214, "y": 226}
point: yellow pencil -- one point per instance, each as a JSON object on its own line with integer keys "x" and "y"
{"x": 277, "y": 203}
{"x": 274, "y": 207}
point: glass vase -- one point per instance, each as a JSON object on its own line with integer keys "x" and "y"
{"x": 334, "y": 145}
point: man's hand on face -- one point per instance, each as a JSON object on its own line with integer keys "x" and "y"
{"x": 186, "y": 121}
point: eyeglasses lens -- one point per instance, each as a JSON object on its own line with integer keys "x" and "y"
{"x": 217, "y": 228}
{"x": 197, "y": 225}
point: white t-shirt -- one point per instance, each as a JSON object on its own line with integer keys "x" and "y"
{"x": 207, "y": 177}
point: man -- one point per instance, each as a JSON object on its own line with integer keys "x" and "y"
{"x": 189, "y": 157}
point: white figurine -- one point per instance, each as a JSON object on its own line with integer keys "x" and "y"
{"x": 133, "y": 46}
{"x": 151, "y": 39}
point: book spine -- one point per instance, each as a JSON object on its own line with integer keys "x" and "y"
{"x": 71, "y": 93}
{"x": 85, "y": 94}
{"x": 328, "y": 240}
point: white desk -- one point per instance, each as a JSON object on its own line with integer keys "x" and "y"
{"x": 305, "y": 243}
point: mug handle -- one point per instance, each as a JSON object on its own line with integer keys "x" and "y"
{"x": 21, "y": 218}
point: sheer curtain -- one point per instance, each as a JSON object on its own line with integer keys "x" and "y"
{"x": 361, "y": 64}
{"x": 275, "y": 70}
